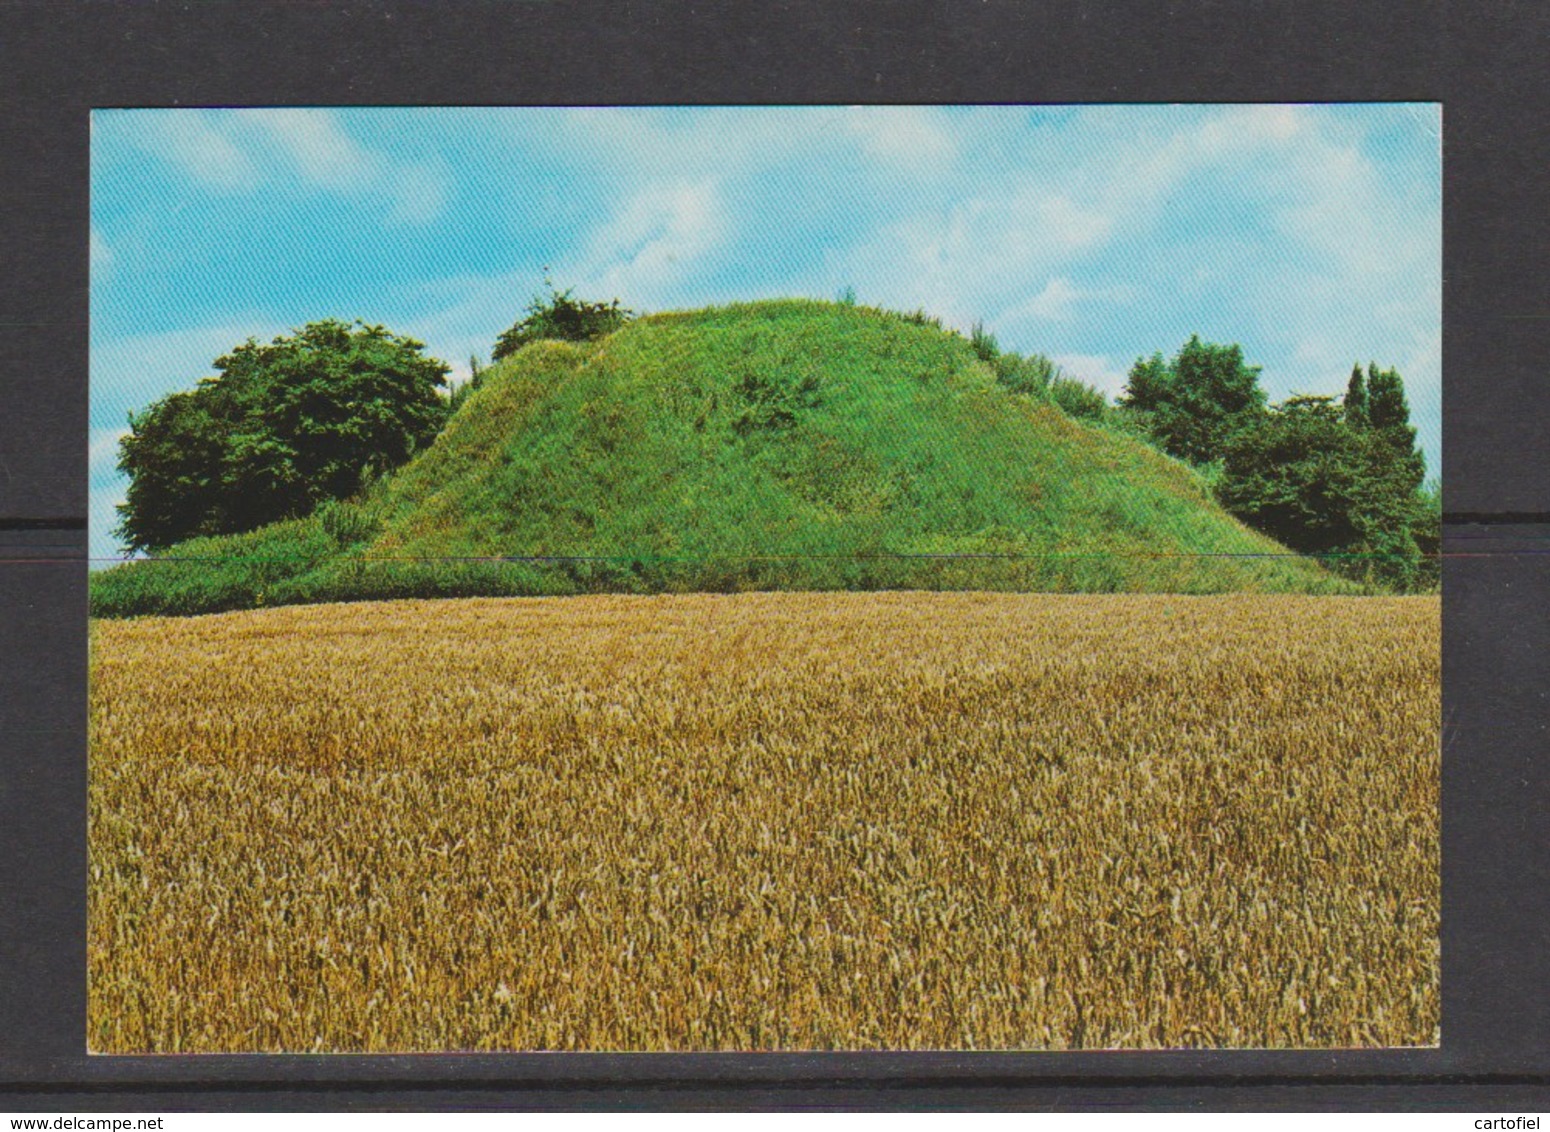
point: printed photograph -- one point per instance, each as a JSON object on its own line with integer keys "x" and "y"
{"x": 765, "y": 578}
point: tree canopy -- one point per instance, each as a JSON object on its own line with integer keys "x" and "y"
{"x": 1193, "y": 404}
{"x": 1309, "y": 477}
{"x": 1335, "y": 477}
{"x": 281, "y": 428}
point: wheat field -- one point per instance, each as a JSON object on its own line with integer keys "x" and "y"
{"x": 767, "y": 821}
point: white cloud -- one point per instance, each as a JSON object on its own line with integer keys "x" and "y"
{"x": 419, "y": 193}
{"x": 1237, "y": 130}
{"x": 972, "y": 258}
{"x": 1056, "y": 221}
{"x": 662, "y": 234}
{"x": 1059, "y": 299}
{"x": 243, "y": 150}
{"x": 101, "y": 518}
{"x": 661, "y": 143}
{"x": 106, "y": 489}
{"x": 911, "y": 135}
{"x": 463, "y": 315}
{"x": 196, "y": 142}
{"x": 318, "y": 147}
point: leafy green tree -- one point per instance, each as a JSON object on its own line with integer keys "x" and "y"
{"x": 1198, "y": 401}
{"x": 283, "y": 427}
{"x": 1388, "y": 415}
{"x": 1295, "y": 476}
{"x": 561, "y": 315}
{"x": 174, "y": 455}
{"x": 1150, "y": 386}
{"x": 1304, "y": 476}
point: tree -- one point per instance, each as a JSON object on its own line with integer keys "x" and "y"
{"x": 1387, "y": 407}
{"x": 282, "y": 428}
{"x": 1305, "y": 477}
{"x": 1355, "y": 404}
{"x": 1388, "y": 415}
{"x": 1150, "y": 386}
{"x": 560, "y": 315}
{"x": 173, "y": 455}
{"x": 1194, "y": 404}
{"x": 1295, "y": 476}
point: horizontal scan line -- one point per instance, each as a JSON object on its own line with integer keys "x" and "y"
{"x": 546, "y": 559}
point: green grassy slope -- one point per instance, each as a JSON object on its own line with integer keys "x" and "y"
{"x": 774, "y": 445}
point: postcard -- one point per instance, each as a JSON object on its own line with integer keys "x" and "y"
{"x": 765, "y": 578}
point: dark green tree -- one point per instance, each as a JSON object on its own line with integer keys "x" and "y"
{"x": 1355, "y": 404}
{"x": 559, "y": 314}
{"x": 283, "y": 427}
{"x": 1295, "y": 477}
{"x": 1388, "y": 415}
{"x": 1305, "y": 477}
{"x": 1386, "y": 404}
{"x": 1388, "y": 410}
{"x": 174, "y": 455}
{"x": 1198, "y": 401}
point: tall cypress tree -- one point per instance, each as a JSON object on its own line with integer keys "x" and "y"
{"x": 1356, "y": 399}
{"x": 1386, "y": 404}
{"x": 1388, "y": 413}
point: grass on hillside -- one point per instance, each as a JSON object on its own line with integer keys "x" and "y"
{"x": 767, "y": 821}
{"x": 783, "y": 445}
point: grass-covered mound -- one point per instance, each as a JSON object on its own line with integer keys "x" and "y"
{"x": 785, "y": 445}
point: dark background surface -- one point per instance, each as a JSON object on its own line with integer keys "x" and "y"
{"x": 1484, "y": 63}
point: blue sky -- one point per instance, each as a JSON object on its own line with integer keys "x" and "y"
{"x": 1311, "y": 235}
